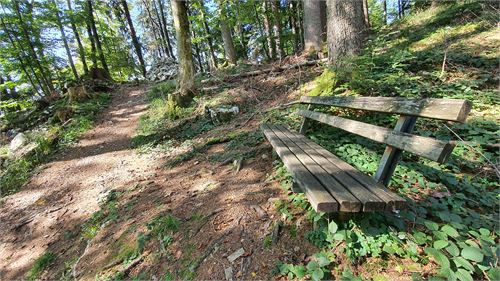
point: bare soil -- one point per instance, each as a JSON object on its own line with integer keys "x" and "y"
{"x": 220, "y": 209}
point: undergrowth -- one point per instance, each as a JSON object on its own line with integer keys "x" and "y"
{"x": 451, "y": 227}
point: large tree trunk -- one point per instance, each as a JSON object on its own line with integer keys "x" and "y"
{"x": 346, "y": 29}
{"x": 81, "y": 50}
{"x": 185, "y": 79}
{"x": 366, "y": 13}
{"x": 97, "y": 41}
{"x": 65, "y": 41}
{"x": 136, "y": 43}
{"x": 227, "y": 37}
{"x": 312, "y": 26}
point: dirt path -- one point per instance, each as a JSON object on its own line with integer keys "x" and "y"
{"x": 67, "y": 190}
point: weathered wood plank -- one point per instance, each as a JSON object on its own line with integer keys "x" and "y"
{"x": 392, "y": 155}
{"x": 392, "y": 200}
{"x": 348, "y": 203}
{"x": 429, "y": 148}
{"x": 370, "y": 202}
{"x": 317, "y": 195}
{"x": 443, "y": 109}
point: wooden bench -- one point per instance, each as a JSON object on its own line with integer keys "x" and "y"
{"x": 332, "y": 185}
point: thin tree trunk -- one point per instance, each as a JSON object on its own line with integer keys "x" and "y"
{"x": 21, "y": 61}
{"x": 275, "y": 6}
{"x": 186, "y": 69}
{"x": 65, "y": 41}
{"x": 267, "y": 27}
{"x": 136, "y": 43}
{"x": 213, "y": 59}
{"x": 346, "y": 29}
{"x": 96, "y": 36}
{"x": 366, "y": 13}
{"x": 165, "y": 29}
{"x": 227, "y": 38}
{"x": 160, "y": 44}
{"x": 81, "y": 50}
{"x": 93, "y": 54}
{"x": 47, "y": 82}
{"x": 195, "y": 45}
{"x": 261, "y": 31}
{"x": 384, "y": 6}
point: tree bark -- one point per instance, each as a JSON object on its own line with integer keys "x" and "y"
{"x": 81, "y": 50}
{"x": 366, "y": 13}
{"x": 185, "y": 85}
{"x": 346, "y": 29}
{"x": 261, "y": 31}
{"x": 136, "y": 43}
{"x": 312, "y": 26}
{"x": 96, "y": 36}
{"x": 65, "y": 41}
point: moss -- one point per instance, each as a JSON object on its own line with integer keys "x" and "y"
{"x": 325, "y": 83}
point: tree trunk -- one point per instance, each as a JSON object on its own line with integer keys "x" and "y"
{"x": 227, "y": 37}
{"x": 213, "y": 59}
{"x": 324, "y": 20}
{"x": 165, "y": 29}
{"x": 366, "y": 13}
{"x": 96, "y": 36}
{"x": 312, "y": 26}
{"x": 261, "y": 31}
{"x": 93, "y": 54}
{"x": 346, "y": 29}
{"x": 196, "y": 46}
{"x": 81, "y": 50}
{"x": 384, "y": 6}
{"x": 136, "y": 43}
{"x": 275, "y": 6}
{"x": 65, "y": 41}
{"x": 185, "y": 85}
{"x": 267, "y": 27}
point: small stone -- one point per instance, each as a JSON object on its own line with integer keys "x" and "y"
{"x": 234, "y": 256}
{"x": 17, "y": 142}
{"x": 228, "y": 272}
{"x": 296, "y": 249}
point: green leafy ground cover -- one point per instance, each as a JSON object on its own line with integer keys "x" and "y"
{"x": 50, "y": 138}
{"x": 451, "y": 228}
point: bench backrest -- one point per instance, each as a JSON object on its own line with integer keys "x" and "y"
{"x": 400, "y": 138}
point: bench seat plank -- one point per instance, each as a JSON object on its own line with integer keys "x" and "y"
{"x": 317, "y": 195}
{"x": 370, "y": 201}
{"x": 348, "y": 203}
{"x": 353, "y": 190}
{"x": 393, "y": 201}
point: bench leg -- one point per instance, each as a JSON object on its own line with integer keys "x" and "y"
{"x": 344, "y": 216}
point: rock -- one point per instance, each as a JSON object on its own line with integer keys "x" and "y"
{"x": 17, "y": 142}
{"x": 228, "y": 272}
{"x": 162, "y": 70}
{"x": 222, "y": 114}
{"x": 234, "y": 256}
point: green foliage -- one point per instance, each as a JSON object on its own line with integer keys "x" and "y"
{"x": 316, "y": 269}
{"x": 40, "y": 265}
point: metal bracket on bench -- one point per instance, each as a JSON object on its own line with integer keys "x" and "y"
{"x": 392, "y": 155}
